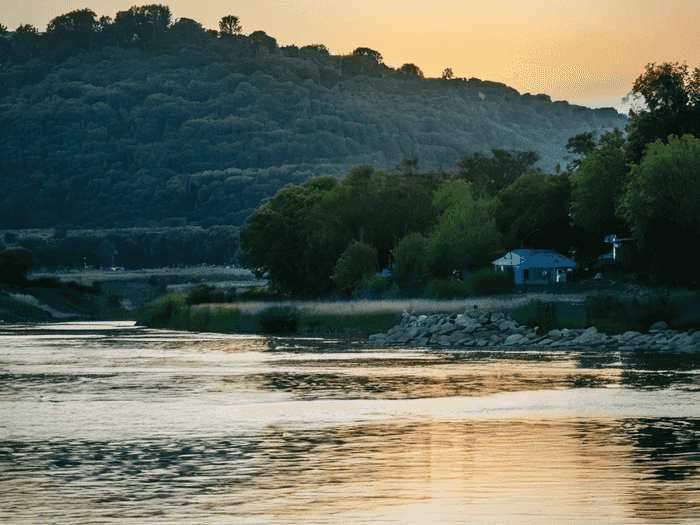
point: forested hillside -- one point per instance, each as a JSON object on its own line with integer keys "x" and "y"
{"x": 183, "y": 126}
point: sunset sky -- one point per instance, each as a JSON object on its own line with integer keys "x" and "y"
{"x": 588, "y": 52}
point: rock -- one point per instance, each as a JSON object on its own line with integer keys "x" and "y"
{"x": 513, "y": 339}
{"x": 589, "y": 335}
{"x": 661, "y": 325}
{"x": 422, "y": 319}
{"x": 448, "y": 328}
{"x": 555, "y": 334}
{"x": 377, "y": 338}
{"x": 497, "y": 317}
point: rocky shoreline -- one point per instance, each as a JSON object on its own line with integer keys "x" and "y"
{"x": 494, "y": 329}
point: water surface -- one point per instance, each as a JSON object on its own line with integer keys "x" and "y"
{"x": 111, "y": 423}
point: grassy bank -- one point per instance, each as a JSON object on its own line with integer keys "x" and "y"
{"x": 49, "y": 300}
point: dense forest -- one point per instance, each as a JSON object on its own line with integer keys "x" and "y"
{"x": 144, "y": 121}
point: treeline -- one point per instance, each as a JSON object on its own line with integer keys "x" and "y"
{"x": 644, "y": 187}
{"x": 127, "y": 248}
{"x": 101, "y": 130}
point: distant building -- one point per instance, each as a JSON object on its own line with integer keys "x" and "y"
{"x": 535, "y": 266}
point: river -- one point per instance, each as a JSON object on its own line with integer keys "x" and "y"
{"x": 105, "y": 423}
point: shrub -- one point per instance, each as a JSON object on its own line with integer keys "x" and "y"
{"x": 612, "y": 315}
{"x": 371, "y": 287}
{"x": 442, "y": 288}
{"x": 279, "y": 320}
{"x": 489, "y": 282}
{"x": 659, "y": 306}
{"x": 166, "y": 313}
{"x": 225, "y": 320}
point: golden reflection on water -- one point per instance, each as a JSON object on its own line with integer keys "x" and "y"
{"x": 557, "y": 471}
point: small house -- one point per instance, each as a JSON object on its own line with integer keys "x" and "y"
{"x": 535, "y": 266}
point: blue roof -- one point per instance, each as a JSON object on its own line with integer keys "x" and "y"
{"x": 535, "y": 258}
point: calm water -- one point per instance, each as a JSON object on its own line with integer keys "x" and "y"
{"x": 109, "y": 423}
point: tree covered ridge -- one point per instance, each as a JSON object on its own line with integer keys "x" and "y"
{"x": 194, "y": 125}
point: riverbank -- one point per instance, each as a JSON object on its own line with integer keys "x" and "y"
{"x": 494, "y": 329}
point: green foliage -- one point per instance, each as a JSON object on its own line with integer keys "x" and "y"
{"x": 582, "y": 144}
{"x": 372, "y": 286}
{"x": 660, "y": 305}
{"x": 533, "y": 212}
{"x": 230, "y": 25}
{"x": 279, "y": 320}
{"x": 446, "y": 288}
{"x": 465, "y": 235}
{"x": 536, "y": 314}
{"x": 661, "y": 203}
{"x": 489, "y": 282}
{"x": 493, "y": 174}
{"x": 408, "y": 256}
{"x": 15, "y": 264}
{"x": 225, "y": 320}
{"x": 359, "y": 260}
{"x": 671, "y": 93}
{"x": 168, "y": 312}
{"x": 609, "y": 314}
{"x": 204, "y": 293}
{"x": 412, "y": 69}
{"x": 598, "y": 185}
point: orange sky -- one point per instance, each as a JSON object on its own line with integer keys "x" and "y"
{"x": 588, "y": 52}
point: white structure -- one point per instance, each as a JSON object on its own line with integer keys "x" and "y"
{"x": 535, "y": 266}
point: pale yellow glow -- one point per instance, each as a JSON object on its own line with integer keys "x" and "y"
{"x": 588, "y": 52}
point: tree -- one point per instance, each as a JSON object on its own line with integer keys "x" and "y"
{"x": 373, "y": 55}
{"x": 293, "y": 239}
{"x": 76, "y": 29}
{"x": 661, "y": 203}
{"x": 465, "y": 235}
{"x": 672, "y": 96}
{"x": 581, "y": 144}
{"x": 598, "y": 185}
{"x": 412, "y": 69}
{"x": 533, "y": 212}
{"x": 493, "y": 174}
{"x": 230, "y": 25}
{"x": 357, "y": 261}
{"x": 447, "y": 74}
{"x": 408, "y": 256}
{"x": 15, "y": 263}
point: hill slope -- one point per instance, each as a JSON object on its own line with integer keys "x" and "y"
{"x": 200, "y": 134}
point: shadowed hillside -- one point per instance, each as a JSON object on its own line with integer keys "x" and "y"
{"x": 191, "y": 128}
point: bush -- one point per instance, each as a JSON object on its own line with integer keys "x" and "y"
{"x": 408, "y": 255}
{"x": 659, "y": 306}
{"x": 371, "y": 287}
{"x": 169, "y": 312}
{"x": 225, "y": 320}
{"x": 612, "y": 315}
{"x": 279, "y": 320}
{"x": 45, "y": 282}
{"x": 443, "y": 288}
{"x": 489, "y": 282}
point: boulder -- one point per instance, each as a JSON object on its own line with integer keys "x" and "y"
{"x": 661, "y": 325}
{"x": 513, "y": 339}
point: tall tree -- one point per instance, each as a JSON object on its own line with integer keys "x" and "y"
{"x": 76, "y": 29}
{"x": 598, "y": 185}
{"x": 672, "y": 96}
{"x": 465, "y": 234}
{"x": 661, "y": 202}
{"x": 581, "y": 145}
{"x": 230, "y": 25}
